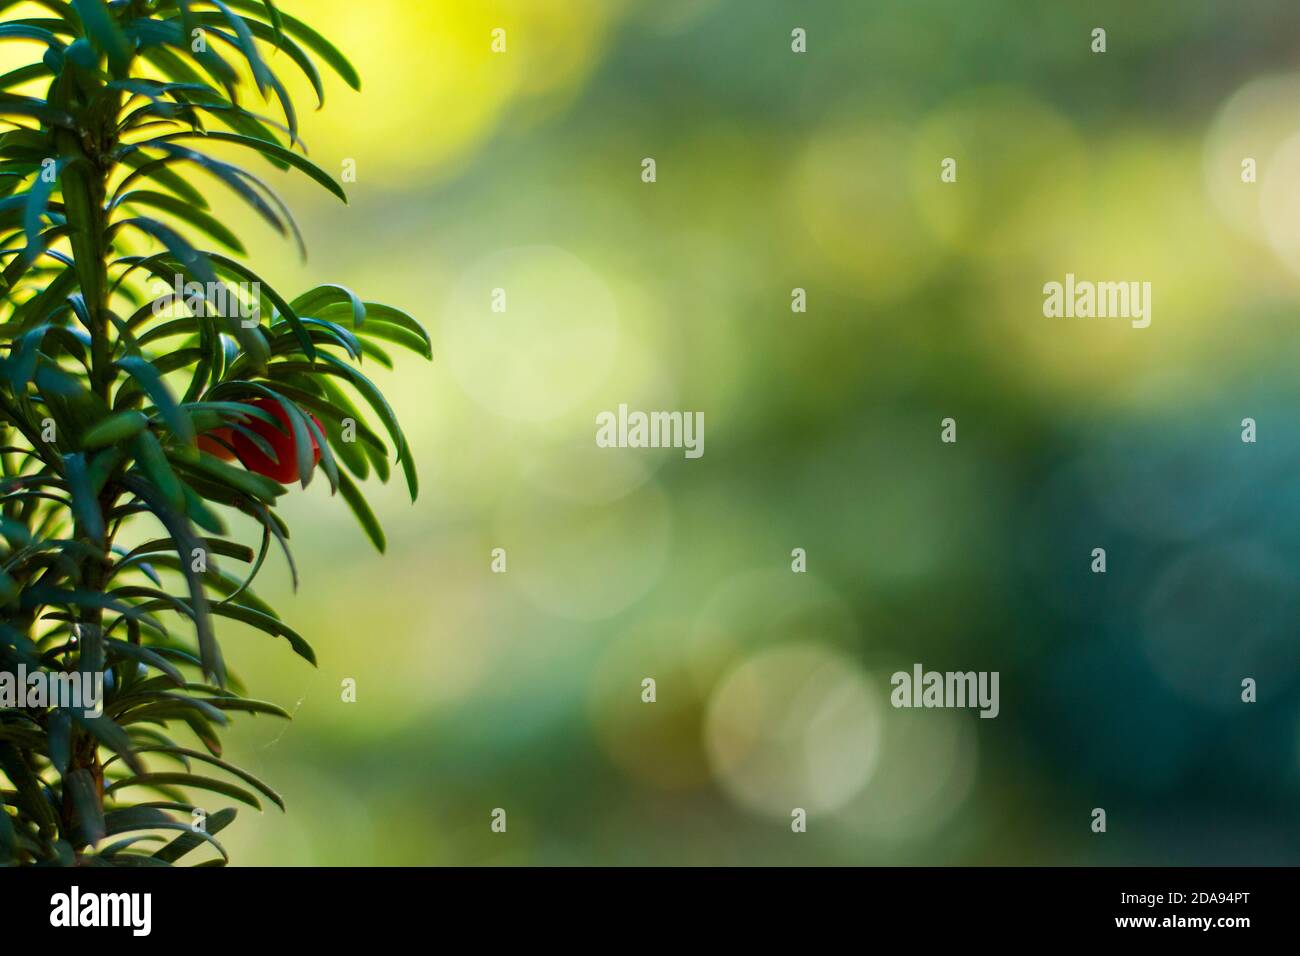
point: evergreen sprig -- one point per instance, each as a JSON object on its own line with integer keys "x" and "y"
{"x": 127, "y": 404}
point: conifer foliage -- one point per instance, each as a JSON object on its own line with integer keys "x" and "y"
{"x": 152, "y": 387}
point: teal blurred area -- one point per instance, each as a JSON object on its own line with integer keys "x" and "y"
{"x": 820, "y": 171}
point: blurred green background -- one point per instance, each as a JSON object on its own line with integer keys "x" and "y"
{"x": 522, "y": 690}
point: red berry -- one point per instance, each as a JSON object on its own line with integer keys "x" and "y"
{"x": 211, "y": 442}
{"x": 284, "y": 467}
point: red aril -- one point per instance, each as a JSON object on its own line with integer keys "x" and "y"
{"x": 284, "y": 466}
{"x": 212, "y": 443}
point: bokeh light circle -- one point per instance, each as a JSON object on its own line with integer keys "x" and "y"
{"x": 927, "y": 769}
{"x": 794, "y": 726}
{"x": 1253, "y": 123}
{"x": 549, "y": 348}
